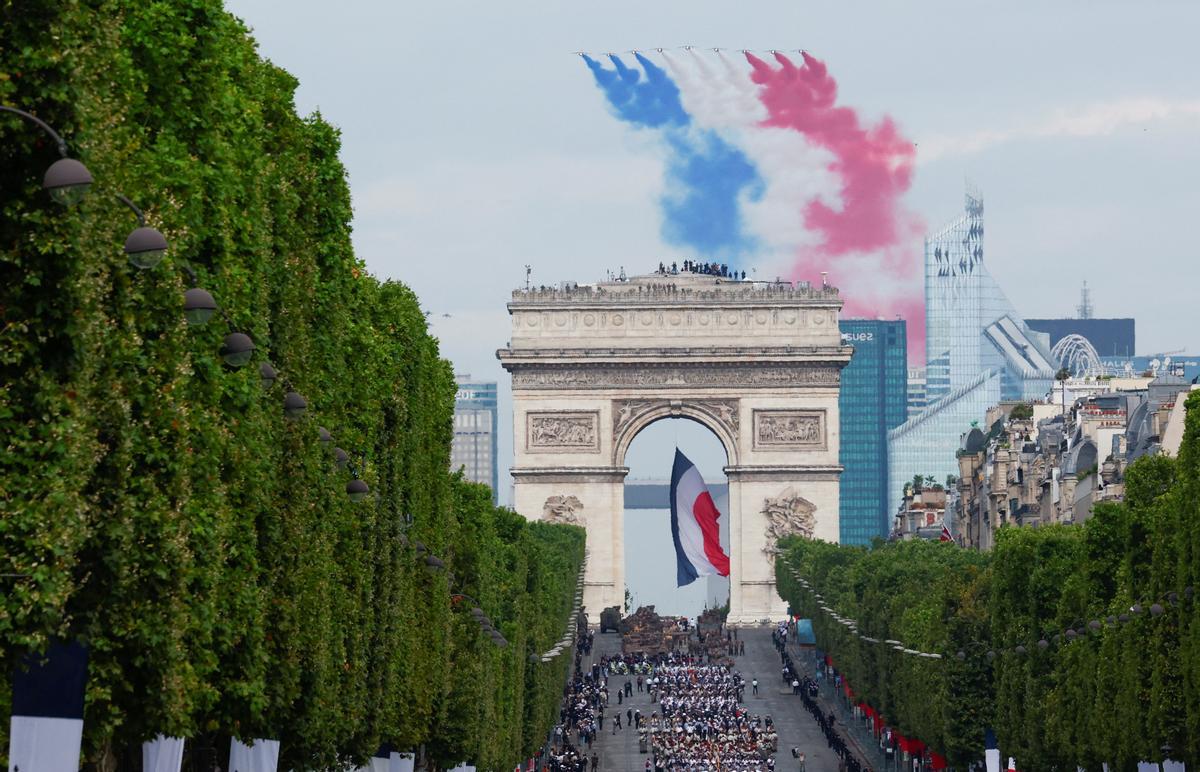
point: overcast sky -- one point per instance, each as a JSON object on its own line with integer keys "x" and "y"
{"x": 477, "y": 143}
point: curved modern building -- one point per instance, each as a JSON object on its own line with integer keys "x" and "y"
{"x": 979, "y": 351}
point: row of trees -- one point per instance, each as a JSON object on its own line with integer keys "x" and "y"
{"x": 157, "y": 505}
{"x": 1123, "y": 690}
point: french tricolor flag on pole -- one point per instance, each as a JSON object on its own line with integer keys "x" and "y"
{"x": 694, "y": 525}
{"x": 991, "y": 752}
{"x": 46, "y": 729}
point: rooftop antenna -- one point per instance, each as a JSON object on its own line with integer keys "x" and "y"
{"x": 1084, "y": 309}
{"x": 824, "y": 279}
{"x": 528, "y": 271}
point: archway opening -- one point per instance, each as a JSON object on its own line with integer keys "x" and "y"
{"x": 650, "y": 571}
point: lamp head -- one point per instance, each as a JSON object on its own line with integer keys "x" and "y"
{"x": 357, "y": 490}
{"x": 268, "y": 374}
{"x": 145, "y": 247}
{"x": 199, "y": 306}
{"x": 238, "y": 349}
{"x": 294, "y": 405}
{"x": 67, "y": 181}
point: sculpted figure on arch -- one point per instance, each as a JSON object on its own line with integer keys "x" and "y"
{"x": 787, "y": 514}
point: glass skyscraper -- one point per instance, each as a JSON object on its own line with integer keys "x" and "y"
{"x": 979, "y": 352}
{"x": 970, "y": 326}
{"x": 475, "y": 419}
{"x": 873, "y": 399}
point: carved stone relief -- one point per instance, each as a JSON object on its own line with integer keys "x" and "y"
{"x": 626, "y": 410}
{"x": 789, "y": 429}
{"x": 787, "y": 514}
{"x": 563, "y": 509}
{"x": 563, "y": 432}
{"x": 670, "y": 376}
{"x": 724, "y": 412}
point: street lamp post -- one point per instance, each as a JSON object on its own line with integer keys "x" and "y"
{"x": 66, "y": 180}
{"x": 481, "y": 619}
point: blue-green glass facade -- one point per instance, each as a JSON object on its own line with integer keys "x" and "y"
{"x": 873, "y": 399}
{"x": 475, "y": 420}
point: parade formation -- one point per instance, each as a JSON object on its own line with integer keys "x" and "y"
{"x": 703, "y": 723}
{"x": 697, "y": 720}
{"x": 689, "y": 713}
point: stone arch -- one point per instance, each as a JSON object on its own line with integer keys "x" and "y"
{"x": 631, "y": 416}
{"x": 649, "y": 565}
{"x": 757, "y": 364}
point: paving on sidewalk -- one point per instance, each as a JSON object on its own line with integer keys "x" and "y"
{"x": 860, "y": 741}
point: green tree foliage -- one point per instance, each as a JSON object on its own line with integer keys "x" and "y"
{"x": 1024, "y": 410}
{"x": 925, "y": 594}
{"x": 1116, "y": 692}
{"x": 159, "y": 504}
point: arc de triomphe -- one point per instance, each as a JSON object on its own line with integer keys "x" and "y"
{"x": 757, "y": 363}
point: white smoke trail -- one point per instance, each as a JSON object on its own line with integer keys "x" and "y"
{"x": 742, "y": 92}
{"x": 723, "y": 98}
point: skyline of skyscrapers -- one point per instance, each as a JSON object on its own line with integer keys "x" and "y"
{"x": 979, "y": 351}
{"x": 474, "y": 447}
{"x": 872, "y": 400}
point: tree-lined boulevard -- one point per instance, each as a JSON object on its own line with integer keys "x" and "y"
{"x": 230, "y": 534}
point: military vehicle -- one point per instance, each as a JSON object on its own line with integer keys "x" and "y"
{"x": 610, "y": 619}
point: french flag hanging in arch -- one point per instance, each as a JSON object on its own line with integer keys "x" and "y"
{"x": 694, "y": 525}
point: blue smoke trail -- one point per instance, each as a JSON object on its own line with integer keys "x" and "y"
{"x": 706, "y": 176}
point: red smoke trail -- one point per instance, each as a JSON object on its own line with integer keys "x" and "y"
{"x": 875, "y": 165}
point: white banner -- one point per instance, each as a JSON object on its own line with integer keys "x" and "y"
{"x": 162, "y": 754}
{"x": 376, "y": 764}
{"x": 401, "y": 762}
{"x": 44, "y": 744}
{"x": 263, "y": 756}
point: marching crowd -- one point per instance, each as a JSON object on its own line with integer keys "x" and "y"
{"x": 703, "y": 725}
{"x": 696, "y": 723}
